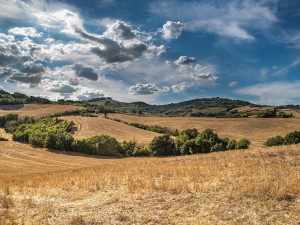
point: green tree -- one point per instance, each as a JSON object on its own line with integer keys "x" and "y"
{"x": 162, "y": 145}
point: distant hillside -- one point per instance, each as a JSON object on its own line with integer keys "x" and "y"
{"x": 7, "y": 98}
{"x": 197, "y": 107}
{"x": 204, "y": 107}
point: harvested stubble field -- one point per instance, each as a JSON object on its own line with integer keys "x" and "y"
{"x": 89, "y": 126}
{"x": 36, "y": 110}
{"x": 260, "y": 186}
{"x": 257, "y": 130}
{"x": 255, "y": 186}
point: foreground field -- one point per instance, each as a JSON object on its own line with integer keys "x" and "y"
{"x": 89, "y": 126}
{"x": 36, "y": 110}
{"x": 257, "y": 130}
{"x": 258, "y": 186}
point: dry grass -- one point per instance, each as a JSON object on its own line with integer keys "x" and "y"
{"x": 88, "y": 126}
{"x": 260, "y": 186}
{"x": 36, "y": 110}
{"x": 256, "y": 186}
{"x": 257, "y": 130}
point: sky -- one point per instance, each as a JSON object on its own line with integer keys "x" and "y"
{"x": 156, "y": 51}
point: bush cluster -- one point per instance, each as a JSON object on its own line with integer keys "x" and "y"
{"x": 3, "y": 139}
{"x": 273, "y": 114}
{"x": 7, "y": 118}
{"x": 103, "y": 145}
{"x": 190, "y": 141}
{"x": 290, "y": 138}
{"x": 48, "y": 133}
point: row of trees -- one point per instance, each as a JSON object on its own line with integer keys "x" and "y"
{"x": 18, "y": 98}
{"x": 55, "y": 134}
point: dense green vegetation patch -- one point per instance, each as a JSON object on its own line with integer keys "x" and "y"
{"x": 289, "y": 139}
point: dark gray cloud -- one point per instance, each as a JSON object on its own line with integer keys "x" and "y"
{"x": 10, "y": 54}
{"x": 23, "y": 78}
{"x": 116, "y": 54}
{"x": 6, "y": 72}
{"x": 29, "y": 74}
{"x": 184, "y": 60}
{"x": 63, "y": 89}
{"x": 143, "y": 89}
{"x": 85, "y": 71}
{"x": 32, "y": 68}
{"x": 74, "y": 81}
{"x": 8, "y": 59}
{"x": 113, "y": 52}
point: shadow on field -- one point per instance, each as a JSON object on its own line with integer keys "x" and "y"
{"x": 82, "y": 154}
{"x": 11, "y": 107}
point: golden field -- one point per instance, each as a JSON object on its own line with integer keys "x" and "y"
{"x": 89, "y": 126}
{"x": 257, "y": 130}
{"x": 256, "y": 186}
{"x": 260, "y": 186}
{"x": 36, "y": 110}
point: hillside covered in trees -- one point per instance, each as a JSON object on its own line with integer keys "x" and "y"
{"x": 202, "y": 107}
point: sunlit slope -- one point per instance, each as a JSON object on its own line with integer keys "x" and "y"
{"x": 89, "y": 126}
{"x": 36, "y": 110}
{"x": 255, "y": 129}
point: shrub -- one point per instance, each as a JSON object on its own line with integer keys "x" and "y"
{"x": 63, "y": 141}
{"x": 188, "y": 147}
{"x": 68, "y": 125}
{"x": 7, "y": 118}
{"x": 209, "y": 136}
{"x": 243, "y": 144}
{"x": 128, "y": 147}
{"x": 284, "y": 115}
{"x": 232, "y": 144}
{"x": 144, "y": 151}
{"x": 292, "y": 138}
{"x": 81, "y": 145}
{"x": 162, "y": 146}
{"x": 190, "y": 133}
{"x": 217, "y": 147}
{"x": 36, "y": 138}
{"x": 175, "y": 133}
{"x": 278, "y": 140}
{"x": 202, "y": 145}
{"x": 104, "y": 145}
{"x": 267, "y": 114}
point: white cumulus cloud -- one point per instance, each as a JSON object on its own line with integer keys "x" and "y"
{"x": 172, "y": 29}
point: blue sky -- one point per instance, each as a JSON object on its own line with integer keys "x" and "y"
{"x": 154, "y": 51}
